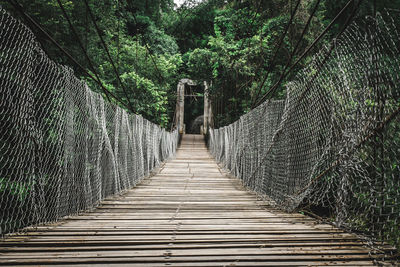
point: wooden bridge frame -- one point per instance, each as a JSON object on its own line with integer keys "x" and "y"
{"x": 180, "y": 106}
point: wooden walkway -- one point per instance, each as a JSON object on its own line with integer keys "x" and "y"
{"x": 189, "y": 214}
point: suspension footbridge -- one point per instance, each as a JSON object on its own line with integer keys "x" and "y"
{"x": 83, "y": 181}
{"x": 190, "y": 213}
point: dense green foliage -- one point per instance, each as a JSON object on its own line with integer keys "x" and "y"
{"x": 239, "y": 52}
{"x": 155, "y": 43}
{"x": 147, "y": 59}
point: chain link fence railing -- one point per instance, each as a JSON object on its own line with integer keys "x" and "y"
{"x": 62, "y": 147}
{"x": 335, "y": 141}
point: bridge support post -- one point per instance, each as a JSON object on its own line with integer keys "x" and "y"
{"x": 206, "y": 109}
{"x": 181, "y": 107}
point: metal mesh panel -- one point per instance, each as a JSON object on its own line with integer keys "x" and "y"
{"x": 62, "y": 147}
{"x": 335, "y": 140}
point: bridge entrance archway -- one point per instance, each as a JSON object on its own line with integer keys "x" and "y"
{"x": 192, "y": 103}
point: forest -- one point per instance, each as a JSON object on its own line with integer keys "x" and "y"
{"x": 236, "y": 46}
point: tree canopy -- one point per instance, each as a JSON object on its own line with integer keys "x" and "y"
{"x": 234, "y": 45}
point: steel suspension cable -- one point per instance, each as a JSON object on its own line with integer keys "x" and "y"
{"x": 118, "y": 37}
{"x": 251, "y": 26}
{"x": 332, "y": 47}
{"x": 272, "y": 62}
{"x": 308, "y": 49}
{"x": 327, "y": 56}
{"x": 161, "y": 78}
{"x": 107, "y": 52}
{"x": 34, "y": 23}
{"x": 297, "y": 44}
{"x": 72, "y": 28}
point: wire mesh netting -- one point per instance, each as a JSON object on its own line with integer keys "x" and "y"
{"x": 62, "y": 147}
{"x": 334, "y": 141}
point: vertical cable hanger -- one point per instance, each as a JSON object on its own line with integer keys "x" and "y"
{"x": 278, "y": 47}
{"x": 91, "y": 66}
{"x": 118, "y": 41}
{"x": 91, "y": 15}
{"x": 161, "y": 78}
{"x": 295, "y": 49}
{"x": 308, "y": 49}
{"x": 36, "y": 25}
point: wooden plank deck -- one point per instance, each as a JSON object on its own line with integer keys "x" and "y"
{"x": 189, "y": 214}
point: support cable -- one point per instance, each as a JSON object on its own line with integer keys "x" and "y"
{"x": 296, "y": 46}
{"x": 91, "y": 66}
{"x": 332, "y": 47}
{"x": 272, "y": 62}
{"x": 347, "y": 23}
{"x": 251, "y": 26}
{"x": 308, "y": 49}
{"x": 107, "y": 52}
{"x": 160, "y": 77}
{"x": 34, "y": 23}
{"x": 118, "y": 38}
